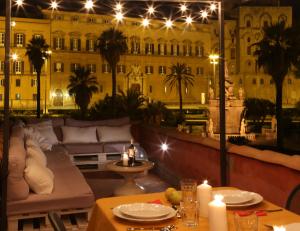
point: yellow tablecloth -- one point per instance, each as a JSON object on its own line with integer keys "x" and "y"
{"x": 102, "y": 218}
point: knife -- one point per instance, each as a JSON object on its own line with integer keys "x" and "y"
{"x": 145, "y": 228}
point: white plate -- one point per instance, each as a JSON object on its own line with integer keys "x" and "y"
{"x": 116, "y": 211}
{"x": 256, "y": 199}
{"x": 144, "y": 210}
{"x": 234, "y": 197}
{"x": 292, "y": 227}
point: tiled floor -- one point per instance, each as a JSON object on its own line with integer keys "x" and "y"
{"x": 104, "y": 183}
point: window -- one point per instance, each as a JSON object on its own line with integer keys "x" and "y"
{"x": 91, "y": 68}
{"x": 254, "y": 81}
{"x": 91, "y": 20}
{"x": 106, "y": 68}
{"x": 58, "y": 67}
{"x": 33, "y": 82}
{"x": 162, "y": 70}
{"x": 187, "y": 49}
{"x": 1, "y": 66}
{"x": 249, "y": 50}
{"x": 75, "y": 18}
{"x": 248, "y": 23}
{"x": 262, "y": 81}
{"x": 90, "y": 45}
{"x": 149, "y": 48}
{"x": 199, "y": 50}
{"x": 2, "y": 39}
{"x": 150, "y": 89}
{"x": 75, "y": 44}
{"x": 135, "y": 24}
{"x": 162, "y": 49}
{"x": 188, "y": 70}
{"x": 18, "y": 67}
{"x": 135, "y": 46}
{"x": 18, "y": 96}
{"x": 74, "y": 66}
{"x": 149, "y": 70}
{"x": 186, "y": 91}
{"x": 34, "y": 97}
{"x": 121, "y": 69}
{"x": 1, "y": 97}
{"x": 240, "y": 81}
{"x": 232, "y": 53}
{"x": 101, "y": 88}
{"x": 38, "y": 36}
{"x": 2, "y": 82}
{"x": 200, "y": 71}
{"x": 271, "y": 81}
{"x": 58, "y": 17}
{"x": 32, "y": 69}
{"x": 59, "y": 43}
{"x": 174, "y": 49}
{"x": 18, "y": 82}
{"x": 19, "y": 40}
{"x": 106, "y": 21}
{"x": 266, "y": 23}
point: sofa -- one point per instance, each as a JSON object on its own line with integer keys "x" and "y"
{"x": 66, "y": 195}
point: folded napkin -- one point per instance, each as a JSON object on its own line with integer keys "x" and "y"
{"x": 157, "y": 201}
{"x": 244, "y": 213}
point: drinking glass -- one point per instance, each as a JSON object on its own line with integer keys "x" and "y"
{"x": 188, "y": 189}
{"x": 189, "y": 211}
{"x": 246, "y": 222}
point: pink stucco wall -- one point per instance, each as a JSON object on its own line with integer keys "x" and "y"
{"x": 196, "y": 157}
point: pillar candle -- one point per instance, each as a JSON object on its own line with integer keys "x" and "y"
{"x": 204, "y": 197}
{"x": 125, "y": 159}
{"x": 217, "y": 215}
{"x": 279, "y": 228}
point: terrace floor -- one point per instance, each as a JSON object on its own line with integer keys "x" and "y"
{"x": 103, "y": 183}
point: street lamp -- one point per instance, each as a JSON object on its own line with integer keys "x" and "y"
{"x": 214, "y": 60}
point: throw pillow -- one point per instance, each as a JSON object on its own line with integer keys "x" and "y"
{"x": 46, "y": 130}
{"x": 39, "y": 178}
{"x": 114, "y": 134}
{"x": 31, "y": 133}
{"x": 34, "y": 151}
{"x": 79, "y": 135}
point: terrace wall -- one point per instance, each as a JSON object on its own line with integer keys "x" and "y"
{"x": 273, "y": 175}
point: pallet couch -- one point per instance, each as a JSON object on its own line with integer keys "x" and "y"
{"x": 32, "y": 193}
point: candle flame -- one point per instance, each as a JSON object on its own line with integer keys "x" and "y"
{"x": 218, "y": 198}
{"x": 279, "y": 228}
{"x": 205, "y": 182}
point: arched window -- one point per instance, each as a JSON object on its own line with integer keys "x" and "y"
{"x": 282, "y": 18}
{"x": 175, "y": 47}
{"x": 199, "y": 51}
{"x": 149, "y": 46}
{"x": 162, "y": 46}
{"x": 265, "y": 20}
{"x": 187, "y": 48}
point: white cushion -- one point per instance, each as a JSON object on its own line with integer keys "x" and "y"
{"x": 34, "y": 134}
{"x": 46, "y": 130}
{"x": 39, "y": 178}
{"x": 79, "y": 135}
{"x": 114, "y": 133}
{"x": 34, "y": 151}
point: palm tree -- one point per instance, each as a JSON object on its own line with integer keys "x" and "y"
{"x": 179, "y": 76}
{"x": 112, "y": 44}
{"x": 277, "y": 53}
{"x": 82, "y": 86}
{"x": 37, "y": 52}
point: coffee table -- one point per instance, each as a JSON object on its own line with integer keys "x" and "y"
{"x": 129, "y": 173}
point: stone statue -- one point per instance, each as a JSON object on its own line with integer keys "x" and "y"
{"x": 135, "y": 72}
{"x": 274, "y": 123}
{"x": 243, "y": 127}
{"x": 211, "y": 93}
{"x": 210, "y": 129}
{"x": 241, "y": 93}
{"x": 228, "y": 84}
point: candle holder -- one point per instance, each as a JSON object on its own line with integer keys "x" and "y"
{"x": 134, "y": 164}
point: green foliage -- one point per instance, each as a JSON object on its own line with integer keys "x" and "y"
{"x": 238, "y": 140}
{"x": 37, "y": 52}
{"x": 133, "y": 102}
{"x": 178, "y": 78}
{"x": 155, "y": 112}
{"x": 82, "y": 86}
{"x": 257, "y": 110}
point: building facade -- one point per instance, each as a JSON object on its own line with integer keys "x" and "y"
{"x": 72, "y": 37}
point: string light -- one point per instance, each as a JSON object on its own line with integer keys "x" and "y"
{"x": 119, "y": 6}
{"x": 151, "y": 10}
{"x": 168, "y": 23}
{"x": 19, "y": 2}
{"x": 164, "y": 147}
{"x": 119, "y": 16}
{"x": 13, "y": 23}
{"x": 189, "y": 20}
{"x": 183, "y": 8}
{"x": 204, "y": 14}
{"x": 53, "y": 5}
{"x": 213, "y": 7}
{"x": 89, "y": 4}
{"x": 14, "y": 56}
{"x": 145, "y": 22}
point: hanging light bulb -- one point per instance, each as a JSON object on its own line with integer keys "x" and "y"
{"x": 54, "y": 5}
{"x": 14, "y": 56}
{"x": 119, "y": 6}
{"x": 183, "y": 8}
{"x": 119, "y": 16}
{"x": 213, "y": 7}
{"x": 151, "y": 10}
{"x": 188, "y": 20}
{"x": 204, "y": 14}
{"x": 89, "y": 4}
{"x": 168, "y": 23}
{"x": 145, "y": 22}
{"x": 19, "y": 2}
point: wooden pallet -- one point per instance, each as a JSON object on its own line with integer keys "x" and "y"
{"x": 73, "y": 219}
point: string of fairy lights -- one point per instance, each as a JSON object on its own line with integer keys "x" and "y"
{"x": 150, "y": 11}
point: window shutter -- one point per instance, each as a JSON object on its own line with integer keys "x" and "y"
{"x": 71, "y": 44}
{"x": 31, "y": 69}
{"x": 22, "y": 67}
{"x": 124, "y": 69}
{"x": 151, "y": 69}
{"x": 79, "y": 44}
{"x": 24, "y": 40}
{"x": 152, "y": 50}
{"x": 62, "y": 43}
{"x": 15, "y": 40}
{"x": 55, "y": 43}
{"x": 165, "y": 49}
{"x": 94, "y": 68}
{"x": 159, "y": 49}
{"x": 62, "y": 67}
{"x": 87, "y": 45}
{"x": 14, "y": 67}
{"x": 55, "y": 69}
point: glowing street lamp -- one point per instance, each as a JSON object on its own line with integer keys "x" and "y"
{"x": 89, "y": 4}
{"x": 19, "y": 2}
{"x": 145, "y": 22}
{"x": 188, "y": 20}
{"x": 119, "y": 6}
{"x": 213, "y": 7}
{"x": 204, "y": 14}
{"x": 214, "y": 60}
{"x": 164, "y": 147}
{"x": 14, "y": 57}
{"x": 151, "y": 10}
{"x": 13, "y": 23}
{"x": 119, "y": 16}
{"x": 54, "y": 5}
{"x": 183, "y": 8}
{"x": 168, "y": 23}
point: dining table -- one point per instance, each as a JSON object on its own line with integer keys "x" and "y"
{"x": 103, "y": 219}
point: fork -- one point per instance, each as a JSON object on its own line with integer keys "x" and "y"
{"x": 164, "y": 228}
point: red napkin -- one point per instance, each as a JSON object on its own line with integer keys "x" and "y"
{"x": 157, "y": 201}
{"x": 244, "y": 213}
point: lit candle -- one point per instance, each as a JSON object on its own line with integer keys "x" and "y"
{"x": 279, "y": 228}
{"x": 204, "y": 197}
{"x": 217, "y": 215}
{"x": 125, "y": 159}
